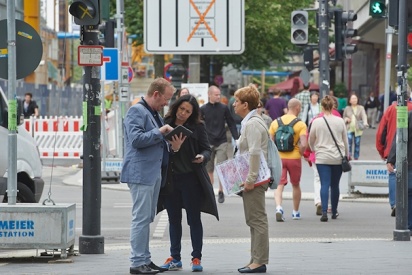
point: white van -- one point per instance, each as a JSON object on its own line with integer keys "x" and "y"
{"x": 29, "y": 167}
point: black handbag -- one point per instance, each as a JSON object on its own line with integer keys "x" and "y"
{"x": 346, "y": 167}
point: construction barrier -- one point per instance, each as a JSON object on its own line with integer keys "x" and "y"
{"x": 369, "y": 173}
{"x": 61, "y": 137}
{"x": 58, "y": 137}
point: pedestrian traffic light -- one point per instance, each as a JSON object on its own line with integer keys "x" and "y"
{"x": 308, "y": 58}
{"x": 343, "y": 31}
{"x": 107, "y": 32}
{"x": 299, "y": 28}
{"x": 85, "y": 12}
{"x": 377, "y": 8}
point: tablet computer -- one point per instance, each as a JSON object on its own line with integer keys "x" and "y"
{"x": 177, "y": 130}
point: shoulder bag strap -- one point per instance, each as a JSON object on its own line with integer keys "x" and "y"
{"x": 327, "y": 124}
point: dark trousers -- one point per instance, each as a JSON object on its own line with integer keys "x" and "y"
{"x": 187, "y": 193}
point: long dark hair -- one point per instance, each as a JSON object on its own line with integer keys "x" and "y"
{"x": 193, "y": 119}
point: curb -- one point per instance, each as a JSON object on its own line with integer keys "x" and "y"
{"x": 77, "y": 180}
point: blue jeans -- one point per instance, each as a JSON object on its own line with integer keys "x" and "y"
{"x": 144, "y": 199}
{"x": 329, "y": 178}
{"x": 352, "y": 138}
{"x": 187, "y": 193}
{"x": 392, "y": 189}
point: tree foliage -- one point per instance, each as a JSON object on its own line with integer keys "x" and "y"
{"x": 133, "y": 18}
{"x": 267, "y": 30}
{"x": 267, "y": 33}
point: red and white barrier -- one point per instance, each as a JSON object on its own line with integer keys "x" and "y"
{"x": 58, "y": 137}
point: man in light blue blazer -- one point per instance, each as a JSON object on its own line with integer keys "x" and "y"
{"x": 146, "y": 155}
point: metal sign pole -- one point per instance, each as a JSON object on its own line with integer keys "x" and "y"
{"x": 119, "y": 30}
{"x": 401, "y": 232}
{"x": 12, "y": 114}
{"x": 389, "y": 34}
{"x": 324, "y": 80}
{"x": 91, "y": 241}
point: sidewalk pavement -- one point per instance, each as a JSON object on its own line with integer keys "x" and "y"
{"x": 225, "y": 256}
{"x": 287, "y": 256}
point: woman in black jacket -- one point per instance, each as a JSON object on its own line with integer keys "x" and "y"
{"x": 188, "y": 184}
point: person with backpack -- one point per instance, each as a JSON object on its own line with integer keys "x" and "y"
{"x": 289, "y": 135}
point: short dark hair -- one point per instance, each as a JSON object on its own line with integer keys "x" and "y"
{"x": 232, "y": 91}
{"x": 29, "y": 94}
{"x": 306, "y": 86}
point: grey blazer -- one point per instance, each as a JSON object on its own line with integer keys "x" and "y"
{"x": 143, "y": 147}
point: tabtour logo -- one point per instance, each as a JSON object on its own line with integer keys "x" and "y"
{"x": 376, "y": 174}
{"x": 16, "y": 228}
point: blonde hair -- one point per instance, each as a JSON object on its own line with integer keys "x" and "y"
{"x": 249, "y": 94}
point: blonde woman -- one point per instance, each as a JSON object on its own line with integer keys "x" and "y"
{"x": 253, "y": 139}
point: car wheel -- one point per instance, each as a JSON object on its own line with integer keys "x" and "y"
{"x": 25, "y": 195}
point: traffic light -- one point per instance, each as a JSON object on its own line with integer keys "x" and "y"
{"x": 308, "y": 58}
{"x": 299, "y": 28}
{"x": 377, "y": 8}
{"x": 85, "y": 12}
{"x": 342, "y": 32}
{"x": 107, "y": 31}
{"x": 393, "y": 6}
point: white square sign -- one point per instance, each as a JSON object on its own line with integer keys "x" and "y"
{"x": 194, "y": 26}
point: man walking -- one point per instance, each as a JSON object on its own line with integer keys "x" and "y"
{"x": 304, "y": 98}
{"x": 30, "y": 107}
{"x": 215, "y": 114}
{"x": 384, "y": 136}
{"x": 146, "y": 156}
{"x": 276, "y": 106}
{"x": 290, "y": 155}
{"x": 371, "y": 108}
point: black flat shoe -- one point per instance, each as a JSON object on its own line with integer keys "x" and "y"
{"x": 158, "y": 268}
{"x": 324, "y": 217}
{"x": 246, "y": 266}
{"x": 246, "y": 269}
{"x": 143, "y": 269}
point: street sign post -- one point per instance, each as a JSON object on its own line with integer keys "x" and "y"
{"x": 194, "y": 27}
{"x": 90, "y": 55}
{"x": 110, "y": 68}
{"x": 131, "y": 74}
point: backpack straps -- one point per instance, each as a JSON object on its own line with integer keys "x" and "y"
{"x": 293, "y": 122}
{"x": 280, "y": 122}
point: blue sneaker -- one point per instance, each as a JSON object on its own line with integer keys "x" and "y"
{"x": 172, "y": 264}
{"x": 196, "y": 265}
{"x": 296, "y": 216}
{"x": 279, "y": 215}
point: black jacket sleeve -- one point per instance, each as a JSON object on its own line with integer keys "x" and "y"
{"x": 203, "y": 143}
{"x": 392, "y": 154}
{"x": 231, "y": 123}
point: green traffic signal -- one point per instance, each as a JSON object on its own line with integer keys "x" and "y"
{"x": 377, "y": 8}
